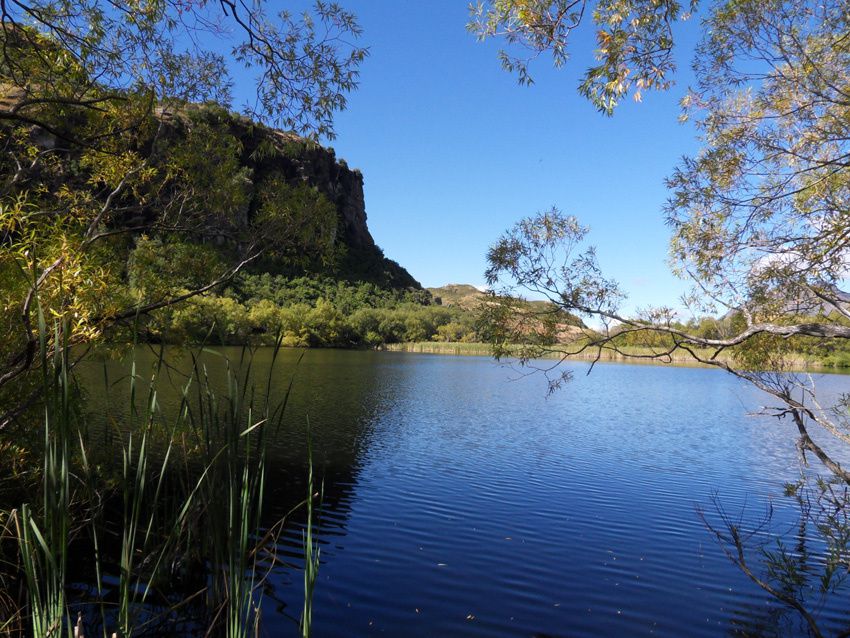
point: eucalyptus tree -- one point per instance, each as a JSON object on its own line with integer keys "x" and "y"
{"x": 760, "y": 221}
{"x": 760, "y": 216}
{"x": 91, "y": 93}
{"x": 634, "y": 38}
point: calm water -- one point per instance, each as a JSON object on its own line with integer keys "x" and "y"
{"x": 460, "y": 501}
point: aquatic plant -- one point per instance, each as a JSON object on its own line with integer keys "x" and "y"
{"x": 311, "y": 550}
{"x": 187, "y": 501}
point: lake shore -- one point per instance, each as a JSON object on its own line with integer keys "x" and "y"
{"x": 633, "y": 354}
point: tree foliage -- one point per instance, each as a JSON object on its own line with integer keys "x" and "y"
{"x": 634, "y": 40}
{"x": 105, "y": 152}
{"x": 760, "y": 215}
{"x": 85, "y": 54}
{"x": 760, "y": 226}
{"x": 310, "y": 311}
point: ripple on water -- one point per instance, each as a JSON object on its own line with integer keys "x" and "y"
{"x": 459, "y": 502}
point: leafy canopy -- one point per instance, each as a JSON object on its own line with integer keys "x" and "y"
{"x": 634, "y": 41}
{"x": 105, "y": 150}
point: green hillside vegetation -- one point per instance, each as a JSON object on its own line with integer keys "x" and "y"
{"x": 311, "y": 311}
{"x": 328, "y": 310}
{"x": 761, "y": 352}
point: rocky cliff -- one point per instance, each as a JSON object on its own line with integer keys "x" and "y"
{"x": 303, "y": 161}
{"x": 267, "y": 151}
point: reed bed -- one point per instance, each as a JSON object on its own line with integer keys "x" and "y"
{"x": 796, "y": 362}
{"x": 160, "y": 531}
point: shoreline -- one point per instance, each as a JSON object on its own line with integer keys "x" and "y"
{"x": 634, "y": 354}
{"x": 798, "y": 364}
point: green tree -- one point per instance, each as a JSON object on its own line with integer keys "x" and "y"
{"x": 295, "y": 220}
{"x": 326, "y": 325}
{"x": 760, "y": 226}
{"x": 103, "y": 140}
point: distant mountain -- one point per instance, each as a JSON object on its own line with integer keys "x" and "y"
{"x": 469, "y": 297}
{"x": 461, "y": 295}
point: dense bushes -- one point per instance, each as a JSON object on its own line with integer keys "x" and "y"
{"x": 344, "y": 295}
{"x": 311, "y": 312}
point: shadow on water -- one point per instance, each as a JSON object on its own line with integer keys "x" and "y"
{"x": 329, "y": 397}
{"x": 458, "y": 500}
{"x": 337, "y": 401}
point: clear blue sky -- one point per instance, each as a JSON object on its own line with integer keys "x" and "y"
{"x": 453, "y": 151}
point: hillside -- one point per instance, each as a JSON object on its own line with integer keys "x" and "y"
{"x": 325, "y": 282}
{"x": 470, "y": 298}
{"x": 461, "y": 295}
{"x": 273, "y": 165}
{"x": 221, "y": 229}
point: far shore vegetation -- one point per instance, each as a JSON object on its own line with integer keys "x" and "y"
{"x": 796, "y": 362}
{"x": 322, "y": 311}
{"x": 325, "y": 312}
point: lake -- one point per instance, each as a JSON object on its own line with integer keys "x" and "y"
{"x": 460, "y": 501}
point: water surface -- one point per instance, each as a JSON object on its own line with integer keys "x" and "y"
{"x": 460, "y": 501}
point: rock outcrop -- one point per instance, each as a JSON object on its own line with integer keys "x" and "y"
{"x": 301, "y": 161}
{"x": 318, "y": 166}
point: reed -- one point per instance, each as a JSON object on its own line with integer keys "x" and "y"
{"x": 799, "y": 362}
{"x": 12, "y": 623}
{"x": 188, "y": 499}
{"x": 232, "y": 442}
{"x": 44, "y": 535}
{"x": 311, "y": 548}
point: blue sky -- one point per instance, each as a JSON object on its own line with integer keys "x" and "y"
{"x": 453, "y": 151}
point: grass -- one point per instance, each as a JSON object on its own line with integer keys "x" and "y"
{"x": 174, "y": 538}
{"x": 797, "y": 361}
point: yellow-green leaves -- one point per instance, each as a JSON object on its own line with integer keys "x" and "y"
{"x": 295, "y": 221}
{"x": 763, "y": 206}
{"x": 634, "y": 41}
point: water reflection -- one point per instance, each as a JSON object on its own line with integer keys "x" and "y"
{"x": 458, "y": 500}
{"x": 335, "y": 399}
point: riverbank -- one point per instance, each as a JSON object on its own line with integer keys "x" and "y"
{"x": 633, "y": 354}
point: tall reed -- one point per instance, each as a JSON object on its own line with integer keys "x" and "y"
{"x": 44, "y": 534}
{"x": 311, "y": 548}
{"x": 174, "y": 507}
{"x": 234, "y": 452}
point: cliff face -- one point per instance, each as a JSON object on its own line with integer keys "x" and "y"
{"x": 302, "y": 161}
{"x": 267, "y": 151}
{"x": 262, "y": 152}
{"x": 306, "y": 162}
